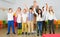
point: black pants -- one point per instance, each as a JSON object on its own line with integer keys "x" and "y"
{"x": 44, "y": 27}
{"x": 51, "y": 26}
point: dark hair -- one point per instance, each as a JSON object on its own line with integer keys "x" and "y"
{"x": 40, "y": 13}
{"x": 10, "y": 8}
{"x": 30, "y": 9}
{"x": 19, "y": 8}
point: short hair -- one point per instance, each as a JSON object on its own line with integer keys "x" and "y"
{"x": 34, "y": 1}
{"x": 10, "y": 8}
{"x": 19, "y": 8}
{"x": 30, "y": 9}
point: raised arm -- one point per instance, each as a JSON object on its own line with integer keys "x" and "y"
{"x": 26, "y": 7}
{"x": 47, "y": 7}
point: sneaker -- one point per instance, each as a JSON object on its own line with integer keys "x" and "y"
{"x": 8, "y": 33}
{"x": 22, "y": 33}
{"x": 26, "y": 33}
{"x": 37, "y": 34}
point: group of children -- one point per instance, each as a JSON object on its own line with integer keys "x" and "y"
{"x": 28, "y": 17}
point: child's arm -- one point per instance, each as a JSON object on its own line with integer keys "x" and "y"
{"x": 46, "y": 7}
{"x": 26, "y": 7}
{"x": 27, "y": 20}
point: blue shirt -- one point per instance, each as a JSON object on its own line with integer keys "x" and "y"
{"x": 30, "y": 16}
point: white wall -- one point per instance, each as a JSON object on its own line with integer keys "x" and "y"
{"x": 19, "y": 3}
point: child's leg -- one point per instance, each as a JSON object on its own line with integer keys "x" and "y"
{"x": 9, "y": 24}
{"x": 12, "y": 23}
{"x": 23, "y": 27}
{"x": 32, "y": 26}
{"x": 43, "y": 27}
{"x": 28, "y": 27}
{"x": 37, "y": 28}
{"x": 19, "y": 27}
{"x": 53, "y": 27}
{"x": 49, "y": 27}
{"x": 40, "y": 27}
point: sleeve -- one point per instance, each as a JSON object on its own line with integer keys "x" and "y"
{"x": 35, "y": 11}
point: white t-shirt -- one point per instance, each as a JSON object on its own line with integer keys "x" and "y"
{"x": 19, "y": 18}
{"x": 10, "y": 16}
{"x": 24, "y": 17}
{"x": 51, "y": 16}
{"x": 39, "y": 18}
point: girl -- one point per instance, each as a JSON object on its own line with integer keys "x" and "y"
{"x": 39, "y": 20}
{"x": 10, "y": 21}
{"x": 51, "y": 18}
{"x": 24, "y": 21}
{"x": 19, "y": 18}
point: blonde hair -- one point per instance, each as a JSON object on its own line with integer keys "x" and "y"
{"x": 51, "y": 9}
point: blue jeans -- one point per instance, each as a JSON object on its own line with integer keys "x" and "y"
{"x": 39, "y": 27}
{"x": 19, "y": 25}
{"x": 11, "y": 23}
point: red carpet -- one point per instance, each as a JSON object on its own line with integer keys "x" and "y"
{"x": 51, "y": 35}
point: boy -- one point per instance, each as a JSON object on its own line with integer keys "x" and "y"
{"x": 10, "y": 21}
{"x": 30, "y": 21}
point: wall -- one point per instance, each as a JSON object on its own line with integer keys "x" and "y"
{"x": 19, "y": 3}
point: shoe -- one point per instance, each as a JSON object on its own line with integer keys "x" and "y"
{"x": 8, "y": 33}
{"x": 14, "y": 33}
{"x": 26, "y": 33}
{"x": 22, "y": 33}
{"x": 37, "y": 34}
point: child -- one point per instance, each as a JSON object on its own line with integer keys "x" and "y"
{"x": 10, "y": 21}
{"x": 44, "y": 14}
{"x": 30, "y": 21}
{"x": 24, "y": 21}
{"x": 19, "y": 19}
{"x": 39, "y": 20}
{"x": 51, "y": 18}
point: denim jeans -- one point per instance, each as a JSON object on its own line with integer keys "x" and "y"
{"x": 19, "y": 25}
{"x": 39, "y": 27}
{"x": 11, "y": 23}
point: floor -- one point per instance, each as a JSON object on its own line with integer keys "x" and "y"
{"x": 4, "y": 31}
